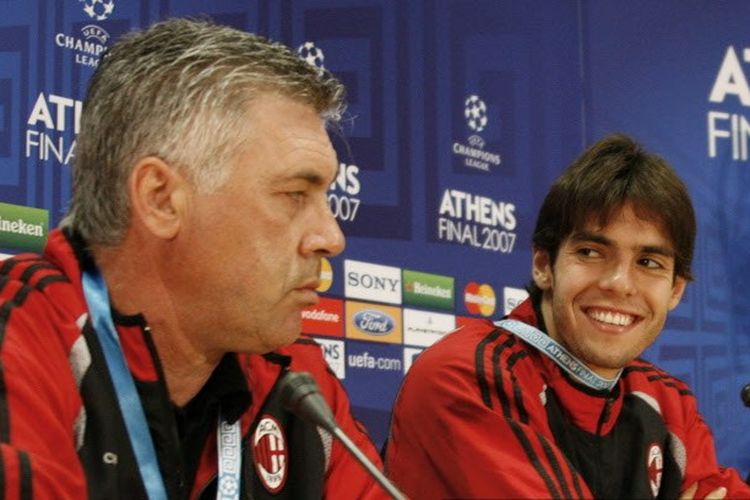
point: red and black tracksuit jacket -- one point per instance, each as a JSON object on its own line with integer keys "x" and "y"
{"x": 482, "y": 413}
{"x": 61, "y": 431}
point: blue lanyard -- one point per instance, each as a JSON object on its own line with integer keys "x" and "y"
{"x": 228, "y": 435}
{"x": 548, "y": 346}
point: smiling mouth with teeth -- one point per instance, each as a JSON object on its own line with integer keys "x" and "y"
{"x": 612, "y": 318}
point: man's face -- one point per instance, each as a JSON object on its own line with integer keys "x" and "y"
{"x": 254, "y": 245}
{"x": 607, "y": 295}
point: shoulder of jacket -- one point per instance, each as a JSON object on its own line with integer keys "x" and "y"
{"x": 643, "y": 377}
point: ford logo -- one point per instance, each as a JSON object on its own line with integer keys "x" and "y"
{"x": 373, "y": 322}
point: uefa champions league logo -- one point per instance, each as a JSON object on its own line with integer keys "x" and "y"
{"x": 98, "y": 10}
{"x": 312, "y": 55}
{"x": 475, "y": 112}
{"x": 474, "y": 153}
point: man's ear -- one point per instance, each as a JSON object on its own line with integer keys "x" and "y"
{"x": 677, "y": 290}
{"x": 541, "y": 269}
{"x": 158, "y": 195}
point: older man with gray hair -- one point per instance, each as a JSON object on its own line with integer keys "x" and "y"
{"x": 142, "y": 352}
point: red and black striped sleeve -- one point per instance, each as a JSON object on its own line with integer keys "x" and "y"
{"x": 469, "y": 422}
{"x": 39, "y": 400}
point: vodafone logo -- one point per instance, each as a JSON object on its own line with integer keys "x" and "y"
{"x": 324, "y": 318}
{"x": 270, "y": 454}
{"x": 321, "y": 315}
{"x": 480, "y": 299}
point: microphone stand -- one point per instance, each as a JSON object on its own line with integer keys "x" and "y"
{"x": 301, "y": 396}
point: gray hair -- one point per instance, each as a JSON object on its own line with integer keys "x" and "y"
{"x": 180, "y": 91}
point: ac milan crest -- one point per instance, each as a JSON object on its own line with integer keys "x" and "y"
{"x": 654, "y": 467}
{"x": 270, "y": 454}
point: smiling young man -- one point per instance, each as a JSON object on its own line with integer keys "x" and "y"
{"x": 553, "y": 401}
{"x": 141, "y": 355}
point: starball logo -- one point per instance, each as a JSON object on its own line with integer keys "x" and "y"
{"x": 474, "y": 155}
{"x": 312, "y": 55}
{"x": 98, "y": 10}
{"x": 729, "y": 130}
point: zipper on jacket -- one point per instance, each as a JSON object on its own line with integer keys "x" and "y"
{"x": 605, "y": 414}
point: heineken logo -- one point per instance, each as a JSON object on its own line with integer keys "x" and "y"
{"x": 428, "y": 290}
{"x": 23, "y": 228}
{"x": 19, "y": 226}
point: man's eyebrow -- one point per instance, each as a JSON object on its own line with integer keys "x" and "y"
{"x": 658, "y": 250}
{"x": 311, "y": 176}
{"x": 581, "y": 236}
{"x": 584, "y": 236}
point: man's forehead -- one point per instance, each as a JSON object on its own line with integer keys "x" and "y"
{"x": 597, "y": 224}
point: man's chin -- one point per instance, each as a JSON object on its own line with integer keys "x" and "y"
{"x": 284, "y": 336}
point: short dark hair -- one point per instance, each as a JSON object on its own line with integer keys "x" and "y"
{"x": 613, "y": 171}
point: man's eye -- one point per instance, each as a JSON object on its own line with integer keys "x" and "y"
{"x": 296, "y": 195}
{"x": 651, "y": 263}
{"x": 587, "y": 252}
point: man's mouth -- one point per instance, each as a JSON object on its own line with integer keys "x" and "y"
{"x": 613, "y": 318}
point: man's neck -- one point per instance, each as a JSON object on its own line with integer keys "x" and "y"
{"x": 136, "y": 287}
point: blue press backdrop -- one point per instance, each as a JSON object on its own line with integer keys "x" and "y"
{"x": 461, "y": 114}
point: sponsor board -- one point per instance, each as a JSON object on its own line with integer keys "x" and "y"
{"x": 326, "y": 275}
{"x": 462, "y": 321}
{"x": 324, "y": 318}
{"x": 334, "y": 352}
{"x": 480, "y": 299}
{"x": 512, "y": 297}
{"x": 87, "y": 45}
{"x": 374, "y": 358}
{"x": 24, "y": 228}
{"x": 375, "y": 282}
{"x": 343, "y": 194}
{"x": 478, "y": 221}
{"x": 428, "y": 290}
{"x": 423, "y": 328}
{"x": 373, "y": 374}
{"x": 410, "y": 354}
{"x": 54, "y": 121}
{"x": 373, "y": 322}
{"x": 729, "y": 130}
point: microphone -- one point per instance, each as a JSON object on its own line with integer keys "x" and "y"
{"x": 301, "y": 396}
{"x": 745, "y": 395}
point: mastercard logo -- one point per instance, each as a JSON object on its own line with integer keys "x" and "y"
{"x": 480, "y": 299}
{"x": 326, "y": 275}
